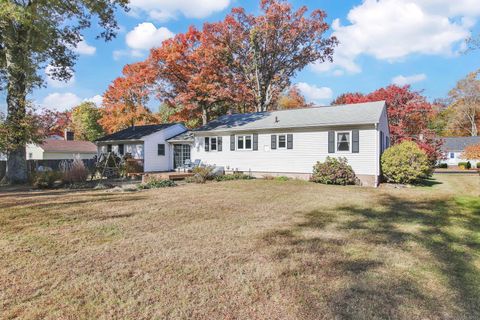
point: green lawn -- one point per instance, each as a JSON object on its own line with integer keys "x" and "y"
{"x": 244, "y": 250}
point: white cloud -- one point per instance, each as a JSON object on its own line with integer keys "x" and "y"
{"x": 54, "y": 83}
{"x": 314, "y": 93}
{"x": 163, "y": 10}
{"x": 146, "y": 36}
{"x": 390, "y": 30}
{"x": 404, "y": 80}
{"x": 119, "y": 54}
{"x": 60, "y": 101}
{"x": 97, "y": 99}
{"x": 84, "y": 48}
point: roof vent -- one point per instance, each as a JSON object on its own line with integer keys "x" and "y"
{"x": 276, "y": 119}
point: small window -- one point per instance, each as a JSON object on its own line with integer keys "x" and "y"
{"x": 213, "y": 143}
{"x": 244, "y": 142}
{"x": 30, "y": 155}
{"x": 282, "y": 142}
{"x": 452, "y": 155}
{"x": 161, "y": 149}
{"x": 343, "y": 141}
{"x": 121, "y": 149}
{"x": 387, "y": 143}
{"x": 248, "y": 142}
{"x": 109, "y": 148}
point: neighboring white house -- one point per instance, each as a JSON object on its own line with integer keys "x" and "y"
{"x": 290, "y": 142}
{"x": 147, "y": 143}
{"x": 453, "y": 148}
{"x": 61, "y": 150}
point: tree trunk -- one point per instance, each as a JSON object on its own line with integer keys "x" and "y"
{"x": 16, "y": 107}
{"x": 204, "y": 116}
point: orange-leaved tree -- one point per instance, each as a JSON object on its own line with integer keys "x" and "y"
{"x": 471, "y": 152}
{"x": 265, "y": 51}
{"x": 125, "y": 101}
{"x": 293, "y": 99}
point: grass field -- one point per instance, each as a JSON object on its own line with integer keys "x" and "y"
{"x": 243, "y": 250}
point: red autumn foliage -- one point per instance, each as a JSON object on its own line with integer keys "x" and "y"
{"x": 409, "y": 113}
{"x": 125, "y": 101}
{"x": 53, "y": 122}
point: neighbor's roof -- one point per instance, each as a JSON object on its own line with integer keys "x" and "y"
{"x": 135, "y": 132}
{"x": 459, "y": 143}
{"x": 360, "y": 113}
{"x": 70, "y": 146}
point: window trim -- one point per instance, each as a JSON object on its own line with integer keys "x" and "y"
{"x": 349, "y": 141}
{"x": 452, "y": 155}
{"x": 210, "y": 143}
{"x": 158, "y": 150}
{"x": 244, "y": 142}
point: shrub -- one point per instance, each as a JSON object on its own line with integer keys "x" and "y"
{"x": 234, "y": 176}
{"x": 442, "y": 166}
{"x": 155, "y": 184}
{"x": 405, "y": 163}
{"x": 334, "y": 171}
{"x": 478, "y": 165}
{"x": 282, "y": 178}
{"x": 46, "y": 179}
{"x": 74, "y": 171}
{"x": 465, "y": 165}
{"x": 202, "y": 174}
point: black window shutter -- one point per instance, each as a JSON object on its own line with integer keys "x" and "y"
{"x": 255, "y": 141}
{"x": 289, "y": 141}
{"x": 219, "y": 144}
{"x": 274, "y": 142}
{"x": 381, "y": 142}
{"x": 232, "y": 142}
{"x": 355, "y": 141}
{"x": 331, "y": 141}
{"x": 207, "y": 144}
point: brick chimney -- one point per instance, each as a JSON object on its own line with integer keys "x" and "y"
{"x": 68, "y": 135}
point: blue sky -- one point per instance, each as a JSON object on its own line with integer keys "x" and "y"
{"x": 382, "y": 41}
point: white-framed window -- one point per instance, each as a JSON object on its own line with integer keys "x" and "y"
{"x": 213, "y": 143}
{"x": 452, "y": 155}
{"x": 282, "y": 141}
{"x": 244, "y": 142}
{"x": 343, "y": 141}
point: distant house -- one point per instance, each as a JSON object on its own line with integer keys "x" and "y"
{"x": 61, "y": 150}
{"x": 146, "y": 143}
{"x": 453, "y": 148}
{"x": 290, "y": 142}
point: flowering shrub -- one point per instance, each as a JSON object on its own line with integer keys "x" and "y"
{"x": 334, "y": 171}
{"x": 405, "y": 162}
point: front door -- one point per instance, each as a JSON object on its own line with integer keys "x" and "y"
{"x": 181, "y": 152}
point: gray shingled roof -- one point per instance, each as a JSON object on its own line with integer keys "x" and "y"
{"x": 186, "y": 136}
{"x": 459, "y": 143}
{"x": 360, "y": 113}
{"x": 135, "y": 132}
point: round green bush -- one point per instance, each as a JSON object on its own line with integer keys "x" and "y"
{"x": 405, "y": 162}
{"x": 334, "y": 171}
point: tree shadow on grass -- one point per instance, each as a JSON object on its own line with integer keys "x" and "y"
{"x": 347, "y": 285}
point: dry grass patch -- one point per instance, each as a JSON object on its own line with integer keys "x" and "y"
{"x": 243, "y": 249}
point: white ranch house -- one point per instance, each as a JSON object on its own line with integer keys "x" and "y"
{"x": 453, "y": 148}
{"x": 274, "y": 143}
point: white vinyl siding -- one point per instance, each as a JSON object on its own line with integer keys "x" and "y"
{"x": 309, "y": 147}
{"x": 154, "y": 162}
